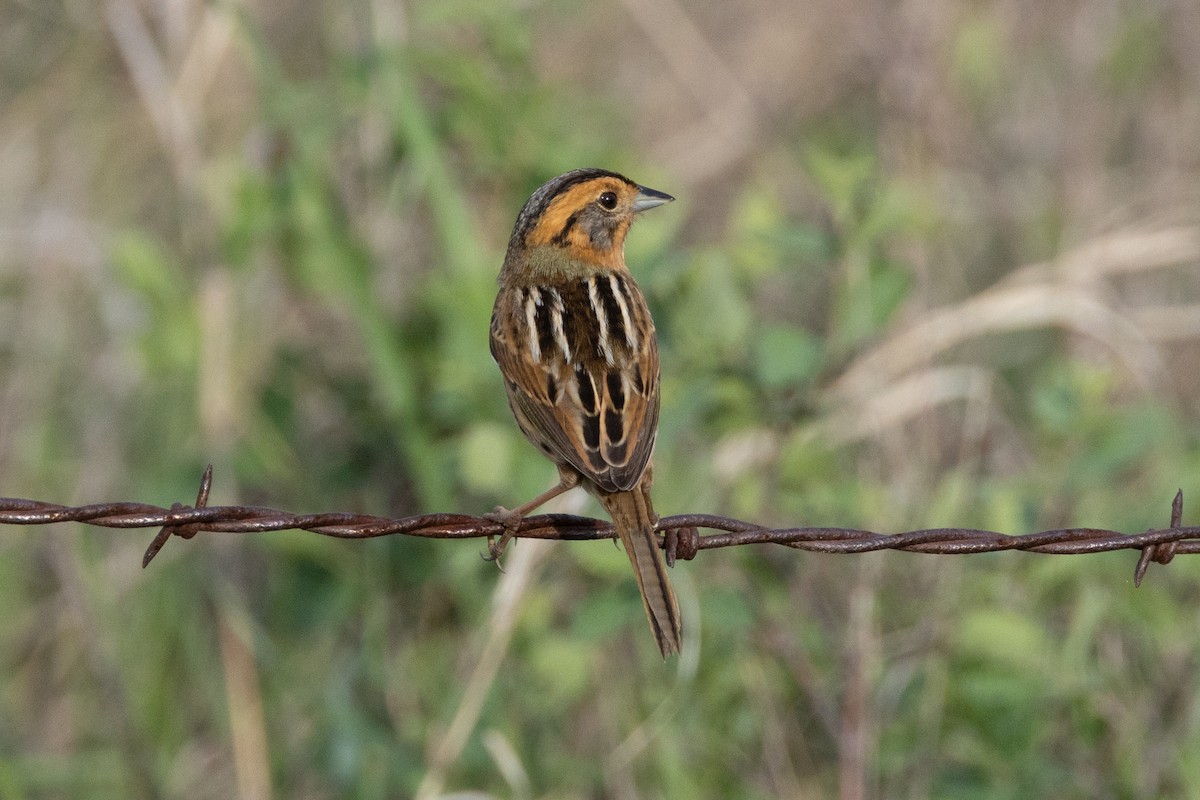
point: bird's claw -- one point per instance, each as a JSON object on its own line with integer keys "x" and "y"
{"x": 511, "y": 521}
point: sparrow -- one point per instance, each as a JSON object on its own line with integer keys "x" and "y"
{"x": 575, "y": 343}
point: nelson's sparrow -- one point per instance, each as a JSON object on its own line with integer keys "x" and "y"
{"x": 575, "y": 343}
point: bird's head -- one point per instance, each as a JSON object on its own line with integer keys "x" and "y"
{"x": 583, "y": 215}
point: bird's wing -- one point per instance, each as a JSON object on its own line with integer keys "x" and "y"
{"x": 580, "y": 364}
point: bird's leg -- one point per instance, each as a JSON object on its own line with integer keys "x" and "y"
{"x": 646, "y": 482}
{"x": 511, "y": 519}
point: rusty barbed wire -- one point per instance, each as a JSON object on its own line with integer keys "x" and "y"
{"x": 682, "y": 538}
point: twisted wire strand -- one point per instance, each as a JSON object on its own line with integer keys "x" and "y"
{"x": 682, "y": 538}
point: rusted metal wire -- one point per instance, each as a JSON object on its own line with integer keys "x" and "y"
{"x": 682, "y": 537}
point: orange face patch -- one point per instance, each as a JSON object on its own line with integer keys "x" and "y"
{"x": 561, "y": 223}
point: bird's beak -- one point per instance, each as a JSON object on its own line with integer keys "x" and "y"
{"x": 649, "y": 198}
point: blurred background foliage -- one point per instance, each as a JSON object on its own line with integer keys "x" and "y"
{"x": 933, "y": 263}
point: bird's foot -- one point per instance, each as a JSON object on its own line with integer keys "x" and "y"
{"x": 511, "y": 520}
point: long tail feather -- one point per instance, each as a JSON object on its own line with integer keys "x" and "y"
{"x": 633, "y": 517}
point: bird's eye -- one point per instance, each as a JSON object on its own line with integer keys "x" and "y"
{"x": 608, "y": 201}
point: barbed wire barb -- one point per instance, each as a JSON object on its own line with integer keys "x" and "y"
{"x": 682, "y": 538}
{"x": 1165, "y": 551}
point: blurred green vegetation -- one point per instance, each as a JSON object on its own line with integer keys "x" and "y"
{"x": 265, "y": 236}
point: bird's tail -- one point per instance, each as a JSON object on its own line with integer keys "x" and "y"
{"x": 633, "y": 517}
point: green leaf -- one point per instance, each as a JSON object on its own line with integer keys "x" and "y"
{"x": 485, "y": 455}
{"x": 1003, "y": 637}
{"x": 786, "y": 357}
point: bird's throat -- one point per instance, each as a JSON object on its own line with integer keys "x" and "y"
{"x": 578, "y": 261}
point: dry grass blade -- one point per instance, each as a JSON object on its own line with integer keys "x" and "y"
{"x": 994, "y": 311}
